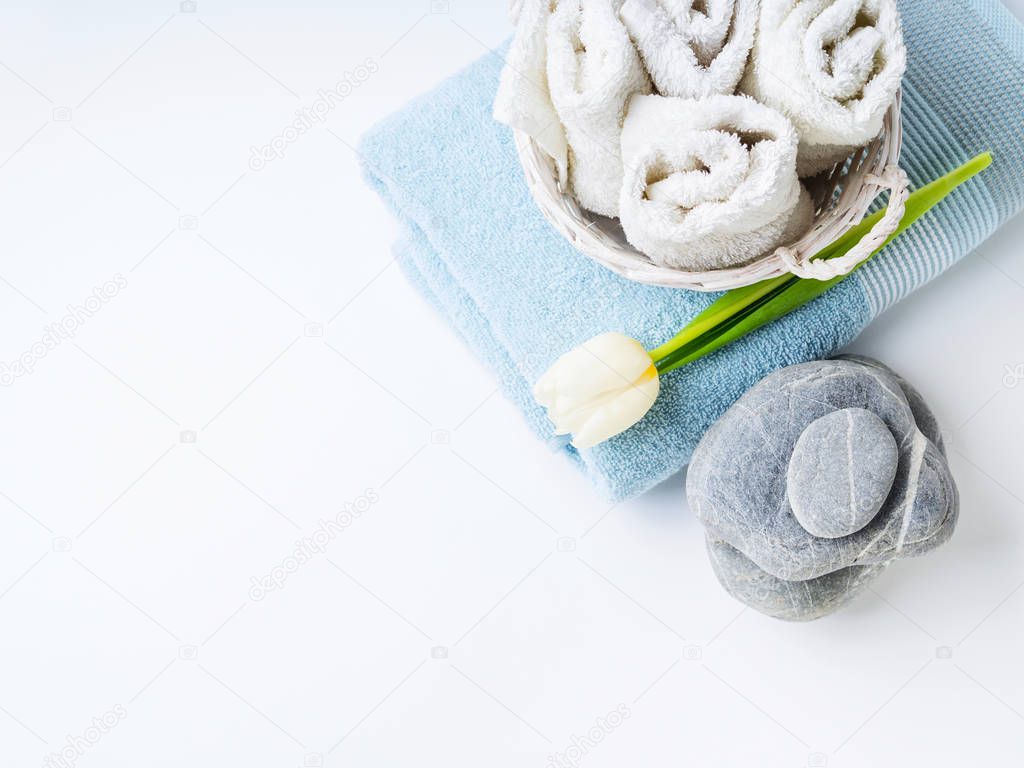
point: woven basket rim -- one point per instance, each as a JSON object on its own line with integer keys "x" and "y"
{"x": 842, "y": 198}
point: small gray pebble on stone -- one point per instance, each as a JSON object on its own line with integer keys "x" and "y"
{"x": 815, "y": 480}
{"x": 840, "y": 472}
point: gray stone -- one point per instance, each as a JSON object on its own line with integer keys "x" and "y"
{"x": 923, "y": 415}
{"x": 788, "y": 600}
{"x": 744, "y": 476}
{"x": 840, "y": 472}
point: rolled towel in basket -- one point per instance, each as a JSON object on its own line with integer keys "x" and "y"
{"x": 523, "y": 101}
{"x": 593, "y": 69}
{"x": 833, "y": 67}
{"x": 692, "y": 48}
{"x": 710, "y": 183}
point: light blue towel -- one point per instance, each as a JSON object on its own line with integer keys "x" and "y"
{"x": 519, "y": 295}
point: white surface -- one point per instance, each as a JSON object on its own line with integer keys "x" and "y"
{"x": 127, "y": 554}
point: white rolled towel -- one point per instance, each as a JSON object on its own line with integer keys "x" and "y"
{"x": 593, "y": 69}
{"x": 692, "y": 48}
{"x": 833, "y": 67}
{"x": 523, "y": 101}
{"x": 710, "y": 183}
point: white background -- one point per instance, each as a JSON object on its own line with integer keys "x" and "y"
{"x": 127, "y": 549}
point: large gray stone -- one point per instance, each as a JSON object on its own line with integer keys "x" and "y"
{"x": 737, "y": 486}
{"x": 840, "y": 472}
{"x": 923, "y": 415}
{"x": 789, "y": 600}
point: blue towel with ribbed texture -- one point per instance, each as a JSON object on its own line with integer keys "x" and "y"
{"x": 519, "y": 295}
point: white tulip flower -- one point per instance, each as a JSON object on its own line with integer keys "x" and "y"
{"x": 599, "y": 389}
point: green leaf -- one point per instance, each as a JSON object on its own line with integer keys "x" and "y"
{"x": 742, "y": 310}
{"x": 722, "y": 309}
{"x": 918, "y": 204}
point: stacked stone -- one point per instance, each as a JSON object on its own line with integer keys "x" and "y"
{"x": 818, "y": 478}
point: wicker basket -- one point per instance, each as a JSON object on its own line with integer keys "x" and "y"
{"x": 841, "y": 199}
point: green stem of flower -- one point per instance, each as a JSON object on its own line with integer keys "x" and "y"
{"x": 742, "y": 310}
{"x": 720, "y": 311}
{"x": 713, "y": 338}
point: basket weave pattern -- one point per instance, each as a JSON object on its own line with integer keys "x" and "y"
{"x": 841, "y": 200}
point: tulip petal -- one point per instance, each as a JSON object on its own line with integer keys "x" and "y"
{"x": 599, "y": 388}
{"x": 621, "y": 413}
{"x": 610, "y": 361}
{"x": 571, "y": 414}
{"x": 607, "y": 362}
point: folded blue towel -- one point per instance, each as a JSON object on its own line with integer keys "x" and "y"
{"x": 519, "y": 295}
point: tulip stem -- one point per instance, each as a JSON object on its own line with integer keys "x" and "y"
{"x": 742, "y": 310}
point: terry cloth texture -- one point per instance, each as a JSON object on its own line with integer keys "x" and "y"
{"x": 710, "y": 183}
{"x": 830, "y": 70}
